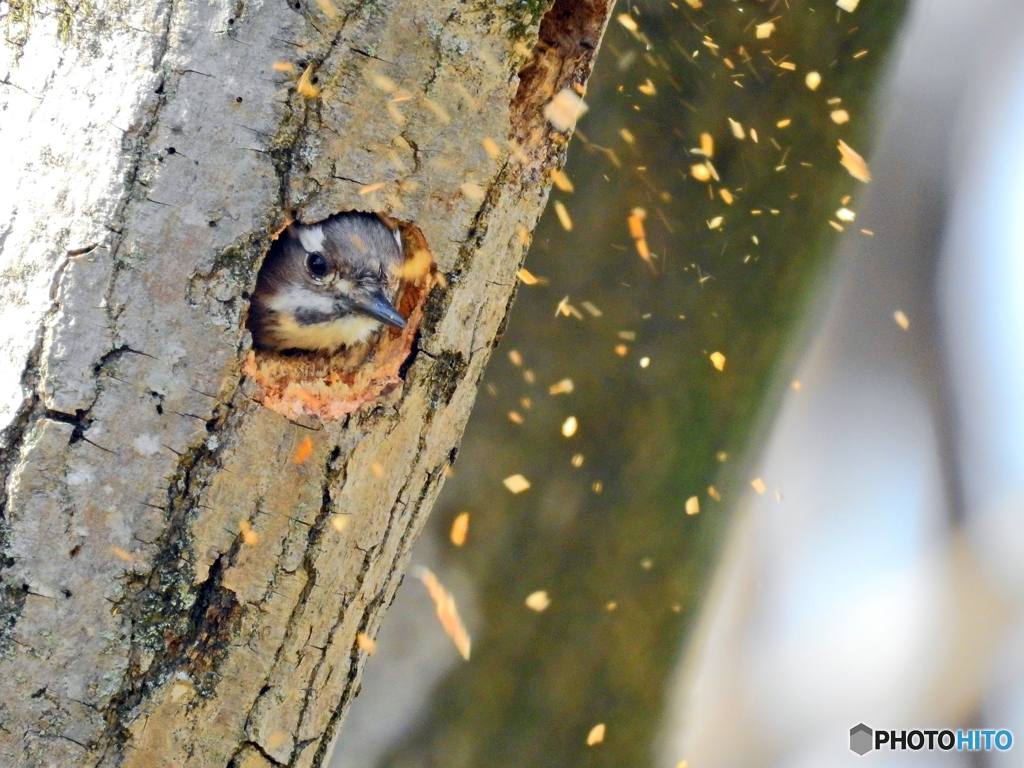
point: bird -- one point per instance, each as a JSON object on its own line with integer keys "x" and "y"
{"x": 327, "y": 285}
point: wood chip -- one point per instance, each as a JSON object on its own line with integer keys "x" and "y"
{"x": 303, "y": 451}
{"x": 718, "y": 360}
{"x": 447, "y": 613}
{"x": 366, "y": 643}
{"x": 328, "y": 8}
{"x": 847, "y": 5}
{"x": 813, "y": 80}
{"x": 700, "y": 172}
{"x": 439, "y": 112}
{"x": 901, "y": 319}
{"x": 737, "y": 129}
{"x": 692, "y": 505}
{"x": 563, "y": 216}
{"x": 563, "y": 387}
{"x": 565, "y": 109}
{"x": 569, "y": 427}
{"x": 305, "y": 85}
{"x": 627, "y": 21}
{"x": 764, "y": 31}
{"x": 853, "y": 163}
{"x": 845, "y": 214}
{"x": 460, "y": 528}
{"x": 561, "y": 181}
{"x": 596, "y": 735}
{"x": 249, "y": 536}
{"x": 491, "y": 148}
{"x": 538, "y": 601}
{"x": 472, "y": 191}
{"x": 527, "y": 277}
{"x": 516, "y": 483}
{"x": 758, "y": 485}
{"x": 840, "y": 116}
{"x": 122, "y": 554}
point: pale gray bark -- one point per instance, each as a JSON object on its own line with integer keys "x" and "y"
{"x": 148, "y": 152}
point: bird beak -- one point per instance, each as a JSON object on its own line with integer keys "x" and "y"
{"x": 377, "y": 306}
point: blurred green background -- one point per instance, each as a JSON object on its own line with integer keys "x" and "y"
{"x": 610, "y": 540}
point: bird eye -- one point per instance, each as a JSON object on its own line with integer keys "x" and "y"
{"x": 316, "y": 264}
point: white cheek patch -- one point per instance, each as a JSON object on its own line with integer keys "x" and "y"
{"x": 297, "y": 298}
{"x": 398, "y": 238}
{"x": 312, "y": 238}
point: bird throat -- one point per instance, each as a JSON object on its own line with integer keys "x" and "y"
{"x": 326, "y": 336}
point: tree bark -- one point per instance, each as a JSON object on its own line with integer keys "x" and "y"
{"x": 185, "y": 570}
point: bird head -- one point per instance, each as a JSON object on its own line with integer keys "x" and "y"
{"x": 327, "y": 285}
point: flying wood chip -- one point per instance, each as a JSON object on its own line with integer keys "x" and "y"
{"x": 565, "y": 109}
{"x": 854, "y": 163}
{"x": 328, "y": 8}
{"x": 447, "y": 613}
{"x": 563, "y": 216}
{"x": 304, "y": 451}
{"x": 516, "y": 483}
{"x": 460, "y": 527}
{"x": 538, "y": 601}
{"x": 563, "y": 387}
{"x": 561, "y": 181}
{"x": 596, "y": 735}
{"x": 305, "y": 85}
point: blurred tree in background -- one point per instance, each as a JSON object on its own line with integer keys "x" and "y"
{"x": 736, "y": 249}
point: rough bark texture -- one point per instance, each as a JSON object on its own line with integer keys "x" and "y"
{"x": 149, "y": 151}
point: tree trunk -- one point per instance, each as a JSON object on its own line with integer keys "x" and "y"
{"x": 194, "y": 535}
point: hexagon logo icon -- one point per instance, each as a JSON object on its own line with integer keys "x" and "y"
{"x": 860, "y": 739}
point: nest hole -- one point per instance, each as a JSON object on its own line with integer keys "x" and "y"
{"x": 299, "y": 385}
